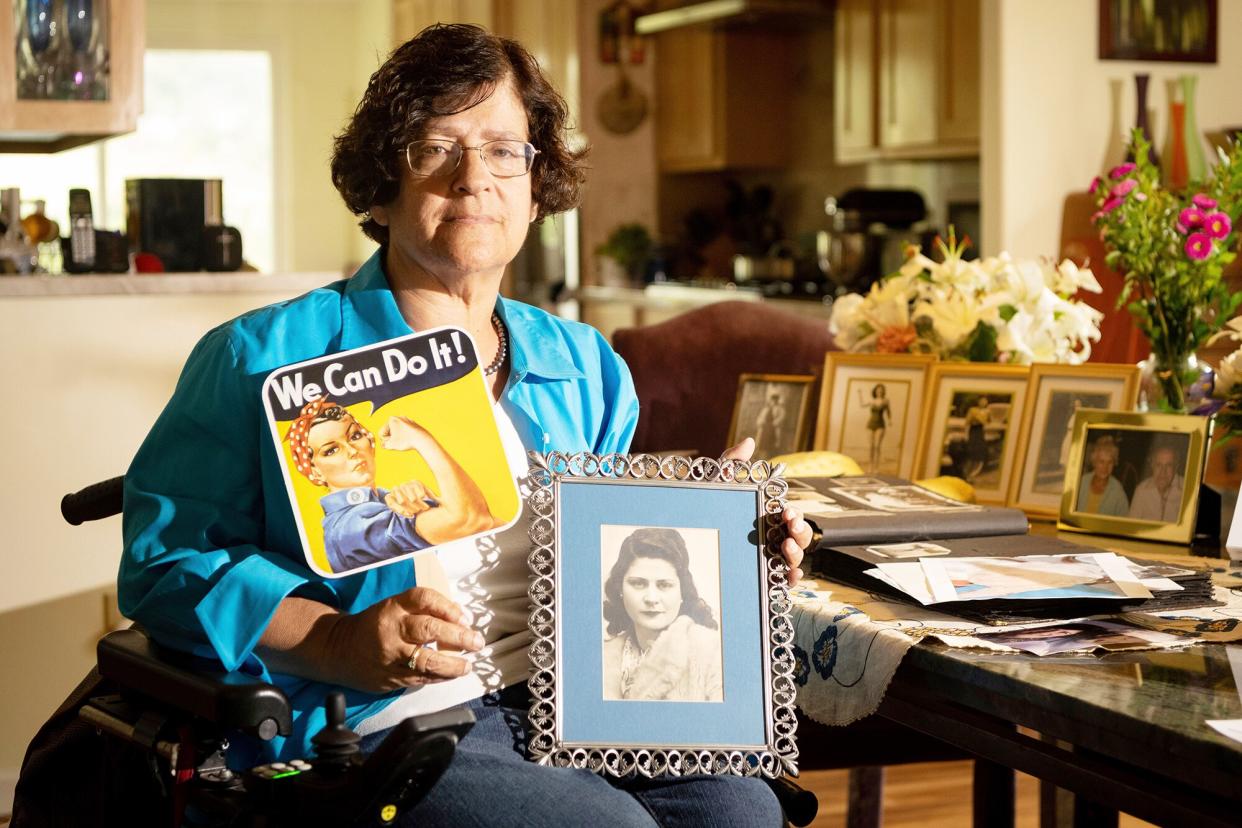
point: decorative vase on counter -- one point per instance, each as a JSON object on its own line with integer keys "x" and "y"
{"x": 1174, "y": 384}
{"x": 1196, "y": 160}
{"x": 1174, "y": 169}
{"x": 1142, "y": 119}
{"x": 1115, "y": 151}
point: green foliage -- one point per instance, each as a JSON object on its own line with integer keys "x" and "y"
{"x": 981, "y": 344}
{"x": 629, "y": 244}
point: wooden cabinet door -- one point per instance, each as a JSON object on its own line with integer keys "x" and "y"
{"x": 959, "y": 92}
{"x": 908, "y": 73}
{"x": 854, "y": 81}
{"x": 689, "y": 112}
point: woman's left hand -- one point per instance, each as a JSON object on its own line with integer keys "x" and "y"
{"x": 793, "y": 548}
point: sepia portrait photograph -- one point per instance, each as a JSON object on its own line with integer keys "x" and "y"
{"x": 774, "y": 409}
{"x": 869, "y": 409}
{"x": 661, "y": 611}
{"x": 1057, "y": 393}
{"x": 970, "y": 425}
{"x": 1136, "y": 474}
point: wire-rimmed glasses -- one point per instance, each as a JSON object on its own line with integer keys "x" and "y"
{"x": 503, "y": 159}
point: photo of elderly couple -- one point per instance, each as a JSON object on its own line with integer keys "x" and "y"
{"x": 1138, "y": 475}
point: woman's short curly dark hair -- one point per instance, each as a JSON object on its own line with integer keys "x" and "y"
{"x": 443, "y": 70}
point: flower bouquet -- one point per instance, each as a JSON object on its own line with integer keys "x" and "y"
{"x": 979, "y": 310}
{"x": 1171, "y": 249}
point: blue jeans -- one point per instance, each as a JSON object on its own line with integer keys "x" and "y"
{"x": 490, "y": 783}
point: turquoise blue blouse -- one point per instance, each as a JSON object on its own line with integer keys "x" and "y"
{"x": 211, "y": 546}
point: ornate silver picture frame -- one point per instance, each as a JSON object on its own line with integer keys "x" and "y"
{"x": 662, "y": 638}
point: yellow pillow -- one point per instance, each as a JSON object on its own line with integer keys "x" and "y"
{"x": 817, "y": 464}
{"x": 951, "y": 487}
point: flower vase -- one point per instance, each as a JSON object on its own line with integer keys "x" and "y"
{"x": 1196, "y": 161}
{"x": 1115, "y": 151}
{"x": 1142, "y": 119}
{"x": 1175, "y": 384}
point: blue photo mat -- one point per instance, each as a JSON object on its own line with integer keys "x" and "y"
{"x": 585, "y": 717}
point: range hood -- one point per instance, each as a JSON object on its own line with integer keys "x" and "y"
{"x": 734, "y": 13}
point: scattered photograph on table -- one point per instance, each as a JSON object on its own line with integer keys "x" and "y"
{"x": 1082, "y": 636}
{"x": 899, "y": 498}
{"x": 1056, "y": 392}
{"x": 970, "y": 425}
{"x": 774, "y": 409}
{"x": 1038, "y": 577}
{"x": 1175, "y": 30}
{"x": 917, "y": 549}
{"x": 869, "y": 409}
{"x": 661, "y": 611}
{"x": 1135, "y": 474}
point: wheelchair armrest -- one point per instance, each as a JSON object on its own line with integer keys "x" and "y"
{"x": 230, "y": 700}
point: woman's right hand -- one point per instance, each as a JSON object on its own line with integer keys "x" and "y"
{"x": 375, "y": 647}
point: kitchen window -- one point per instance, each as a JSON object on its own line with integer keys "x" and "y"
{"x": 206, "y": 114}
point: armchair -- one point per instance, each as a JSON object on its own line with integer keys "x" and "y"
{"x": 142, "y": 741}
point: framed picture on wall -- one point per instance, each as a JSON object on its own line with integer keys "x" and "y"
{"x": 660, "y": 619}
{"x": 775, "y": 410}
{"x": 1055, "y": 392}
{"x": 970, "y": 424}
{"x": 1135, "y": 474}
{"x": 869, "y": 407}
{"x": 1184, "y": 31}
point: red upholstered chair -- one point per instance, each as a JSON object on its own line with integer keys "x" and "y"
{"x": 686, "y": 368}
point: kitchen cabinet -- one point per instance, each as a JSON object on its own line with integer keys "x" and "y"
{"x": 722, "y": 98}
{"x": 907, "y": 79}
{"x": 53, "y": 125}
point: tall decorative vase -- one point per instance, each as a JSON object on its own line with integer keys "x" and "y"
{"x": 1196, "y": 162}
{"x": 1174, "y": 164}
{"x": 1141, "y": 119}
{"x": 1115, "y": 151}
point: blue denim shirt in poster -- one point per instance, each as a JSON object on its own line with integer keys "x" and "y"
{"x": 210, "y": 542}
{"x": 359, "y": 529}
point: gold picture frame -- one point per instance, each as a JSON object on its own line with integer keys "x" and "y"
{"x": 1046, "y": 435}
{"x": 1143, "y": 447}
{"x": 881, "y": 438}
{"x": 970, "y": 425}
{"x": 774, "y": 409}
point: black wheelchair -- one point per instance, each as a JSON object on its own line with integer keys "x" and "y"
{"x": 142, "y": 741}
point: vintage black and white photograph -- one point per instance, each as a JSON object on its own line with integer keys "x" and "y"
{"x": 869, "y": 409}
{"x": 1057, "y": 393}
{"x": 970, "y": 425}
{"x": 661, "y": 607}
{"x": 774, "y": 409}
{"x": 1136, "y": 474}
{"x": 1173, "y": 30}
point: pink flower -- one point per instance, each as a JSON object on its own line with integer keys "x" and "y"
{"x": 1096, "y": 216}
{"x": 1095, "y": 185}
{"x": 1121, "y": 171}
{"x": 1198, "y": 246}
{"x": 1190, "y": 217}
{"x": 1203, "y": 202}
{"x": 1112, "y": 204}
{"x": 1217, "y": 225}
{"x": 1123, "y": 189}
{"x": 1140, "y": 196}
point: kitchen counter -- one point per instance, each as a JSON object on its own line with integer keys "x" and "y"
{"x": 162, "y": 284}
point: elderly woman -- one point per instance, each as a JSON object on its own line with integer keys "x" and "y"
{"x": 457, "y": 146}
{"x": 663, "y": 642}
{"x": 1099, "y": 492}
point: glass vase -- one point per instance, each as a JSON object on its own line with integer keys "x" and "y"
{"x": 1142, "y": 118}
{"x": 1196, "y": 160}
{"x": 1173, "y": 384}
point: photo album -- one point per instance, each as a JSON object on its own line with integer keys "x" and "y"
{"x": 390, "y": 451}
{"x": 899, "y": 540}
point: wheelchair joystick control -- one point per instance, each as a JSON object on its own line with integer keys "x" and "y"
{"x": 336, "y": 745}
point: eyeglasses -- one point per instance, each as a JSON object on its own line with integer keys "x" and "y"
{"x": 503, "y": 159}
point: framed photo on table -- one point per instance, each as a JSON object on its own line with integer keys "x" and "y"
{"x": 775, "y": 410}
{"x": 869, "y": 409}
{"x": 970, "y": 425}
{"x": 661, "y": 620}
{"x": 1055, "y": 392}
{"x": 1135, "y": 474}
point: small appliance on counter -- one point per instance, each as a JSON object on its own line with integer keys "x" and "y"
{"x": 180, "y": 221}
{"x": 868, "y": 234}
